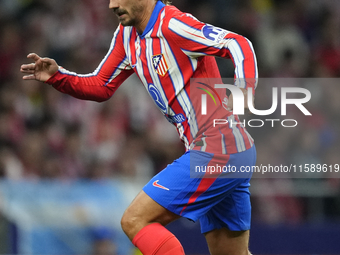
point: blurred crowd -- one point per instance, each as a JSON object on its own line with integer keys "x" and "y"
{"x": 45, "y": 134}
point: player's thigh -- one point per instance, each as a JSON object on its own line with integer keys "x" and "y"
{"x": 226, "y": 242}
{"x": 142, "y": 211}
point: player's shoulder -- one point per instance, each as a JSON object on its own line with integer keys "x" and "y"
{"x": 173, "y": 15}
{"x": 173, "y": 12}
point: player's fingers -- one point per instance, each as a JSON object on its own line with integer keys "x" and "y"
{"x": 27, "y": 71}
{"x": 29, "y": 77}
{"x": 33, "y": 56}
{"x": 28, "y": 66}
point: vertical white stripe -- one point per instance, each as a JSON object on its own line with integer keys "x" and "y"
{"x": 127, "y": 36}
{"x": 194, "y": 63}
{"x": 237, "y": 54}
{"x": 180, "y": 129}
{"x": 224, "y": 151}
{"x": 178, "y": 82}
{"x": 156, "y": 81}
{"x": 237, "y": 134}
{"x": 204, "y": 147}
{"x": 161, "y": 67}
{"x": 139, "y": 65}
{"x": 153, "y": 75}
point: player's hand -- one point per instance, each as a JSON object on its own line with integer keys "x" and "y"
{"x": 41, "y": 70}
{"x": 245, "y": 94}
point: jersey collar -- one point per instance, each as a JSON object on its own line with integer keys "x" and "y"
{"x": 154, "y": 16}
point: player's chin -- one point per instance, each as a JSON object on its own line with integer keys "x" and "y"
{"x": 127, "y": 22}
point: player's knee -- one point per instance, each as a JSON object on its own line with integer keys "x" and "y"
{"x": 131, "y": 224}
{"x": 127, "y": 222}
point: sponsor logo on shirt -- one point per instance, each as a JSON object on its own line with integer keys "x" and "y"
{"x": 156, "y": 96}
{"x": 214, "y": 33}
{"x": 178, "y": 118}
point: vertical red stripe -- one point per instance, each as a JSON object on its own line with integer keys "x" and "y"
{"x": 133, "y": 46}
{"x": 168, "y": 87}
{"x": 207, "y": 181}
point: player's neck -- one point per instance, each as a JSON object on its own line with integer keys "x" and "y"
{"x": 140, "y": 27}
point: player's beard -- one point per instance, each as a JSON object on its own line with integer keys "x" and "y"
{"x": 131, "y": 18}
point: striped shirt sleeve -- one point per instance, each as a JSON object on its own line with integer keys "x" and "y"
{"x": 101, "y": 84}
{"x": 198, "y": 39}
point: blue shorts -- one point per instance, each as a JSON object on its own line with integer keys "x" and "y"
{"x": 217, "y": 201}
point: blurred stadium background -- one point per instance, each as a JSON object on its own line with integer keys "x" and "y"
{"x": 69, "y": 168}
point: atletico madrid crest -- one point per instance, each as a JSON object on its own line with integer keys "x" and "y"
{"x": 160, "y": 65}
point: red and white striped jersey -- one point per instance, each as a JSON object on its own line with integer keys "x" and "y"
{"x": 174, "y": 48}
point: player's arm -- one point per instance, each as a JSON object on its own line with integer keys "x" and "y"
{"x": 97, "y": 86}
{"x": 197, "y": 39}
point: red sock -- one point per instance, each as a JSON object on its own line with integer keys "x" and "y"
{"x": 154, "y": 239}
